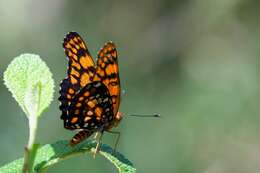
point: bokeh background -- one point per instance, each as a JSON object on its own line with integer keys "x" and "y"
{"x": 194, "y": 62}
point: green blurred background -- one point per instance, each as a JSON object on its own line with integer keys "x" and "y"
{"x": 194, "y": 62}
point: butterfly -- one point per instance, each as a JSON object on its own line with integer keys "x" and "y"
{"x": 90, "y": 94}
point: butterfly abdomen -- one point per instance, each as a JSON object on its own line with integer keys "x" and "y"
{"x": 80, "y": 136}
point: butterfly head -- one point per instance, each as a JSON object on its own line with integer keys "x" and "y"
{"x": 118, "y": 118}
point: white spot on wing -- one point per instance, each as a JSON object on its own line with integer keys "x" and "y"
{"x": 90, "y": 113}
{"x": 98, "y": 84}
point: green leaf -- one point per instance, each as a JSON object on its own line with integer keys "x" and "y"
{"x": 50, "y": 154}
{"x": 30, "y": 82}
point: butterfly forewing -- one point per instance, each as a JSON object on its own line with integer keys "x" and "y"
{"x": 107, "y": 71}
{"x": 81, "y": 69}
{"x": 91, "y": 108}
{"x": 81, "y": 66}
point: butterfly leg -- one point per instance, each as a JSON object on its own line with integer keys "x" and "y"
{"x": 117, "y": 139}
{"x": 98, "y": 136}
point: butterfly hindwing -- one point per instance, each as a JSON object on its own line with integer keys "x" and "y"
{"x": 66, "y": 95}
{"x": 90, "y": 109}
{"x": 108, "y": 73}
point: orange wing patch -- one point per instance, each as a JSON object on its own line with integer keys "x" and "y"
{"x": 107, "y": 71}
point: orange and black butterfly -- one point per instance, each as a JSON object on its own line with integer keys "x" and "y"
{"x": 90, "y": 95}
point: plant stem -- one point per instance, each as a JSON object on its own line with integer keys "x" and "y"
{"x": 29, "y": 149}
{"x": 33, "y": 122}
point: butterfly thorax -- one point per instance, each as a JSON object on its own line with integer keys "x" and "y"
{"x": 116, "y": 120}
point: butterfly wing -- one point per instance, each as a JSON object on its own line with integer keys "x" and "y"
{"x": 81, "y": 69}
{"x": 81, "y": 66}
{"x": 90, "y": 109}
{"x": 108, "y": 73}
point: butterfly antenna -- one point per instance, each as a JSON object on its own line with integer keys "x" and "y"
{"x": 152, "y": 115}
